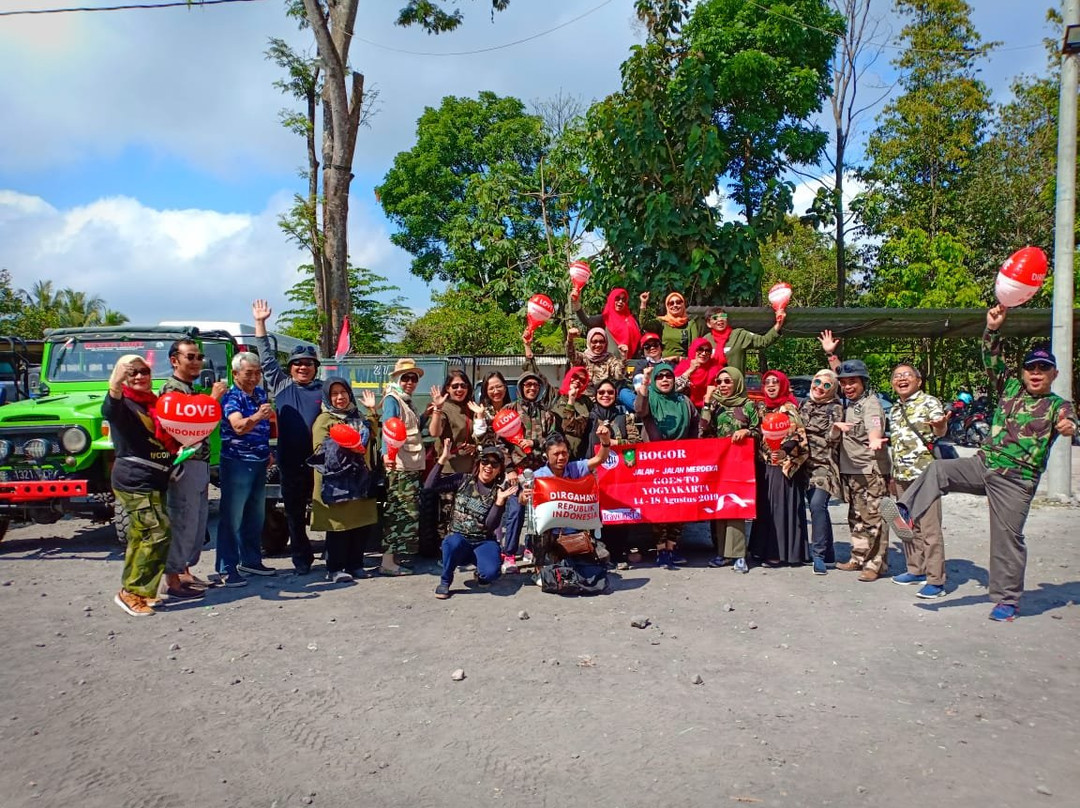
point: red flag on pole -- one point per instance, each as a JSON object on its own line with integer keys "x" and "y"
{"x": 344, "y": 342}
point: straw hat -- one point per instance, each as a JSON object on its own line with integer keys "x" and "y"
{"x": 406, "y": 365}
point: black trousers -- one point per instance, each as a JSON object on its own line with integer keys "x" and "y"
{"x": 297, "y": 483}
{"x": 345, "y": 549}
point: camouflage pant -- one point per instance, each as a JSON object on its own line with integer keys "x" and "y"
{"x": 147, "y": 543}
{"x": 869, "y": 536}
{"x": 401, "y": 531}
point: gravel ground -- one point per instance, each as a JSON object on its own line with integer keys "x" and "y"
{"x": 777, "y": 688}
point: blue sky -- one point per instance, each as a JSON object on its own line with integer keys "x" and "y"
{"x": 141, "y": 158}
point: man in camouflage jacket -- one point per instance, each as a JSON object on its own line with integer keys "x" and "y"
{"x": 1006, "y": 470}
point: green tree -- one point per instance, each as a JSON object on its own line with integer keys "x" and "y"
{"x": 482, "y": 199}
{"x": 461, "y": 323}
{"x": 373, "y": 325}
{"x": 927, "y": 138}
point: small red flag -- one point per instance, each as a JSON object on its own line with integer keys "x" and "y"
{"x": 344, "y": 342}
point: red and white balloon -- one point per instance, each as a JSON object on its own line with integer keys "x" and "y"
{"x": 779, "y": 296}
{"x": 538, "y": 311}
{"x": 507, "y": 425}
{"x": 348, "y": 437}
{"x": 188, "y": 418}
{"x": 775, "y": 426}
{"x": 394, "y": 434}
{"x": 1021, "y": 277}
{"x": 580, "y": 272}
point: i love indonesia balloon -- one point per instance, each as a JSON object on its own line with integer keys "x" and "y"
{"x": 1020, "y": 277}
{"x": 774, "y": 428}
{"x": 347, "y": 437}
{"x": 779, "y": 296}
{"x": 189, "y": 419}
{"x": 393, "y": 432}
{"x": 537, "y": 312}
{"x": 580, "y": 272}
{"x": 507, "y": 425}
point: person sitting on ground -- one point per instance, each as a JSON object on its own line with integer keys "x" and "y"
{"x": 914, "y": 420}
{"x": 1006, "y": 469}
{"x": 140, "y": 477}
{"x": 616, "y": 319}
{"x": 297, "y": 395}
{"x": 598, "y": 362}
{"x": 246, "y": 416}
{"x": 343, "y": 503}
{"x": 820, "y": 410}
{"x": 731, "y": 344}
{"x": 675, "y": 328}
{"x": 479, "y": 500}
{"x": 728, "y": 413}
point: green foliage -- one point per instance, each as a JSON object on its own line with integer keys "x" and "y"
{"x": 920, "y": 271}
{"x": 27, "y": 314}
{"x": 724, "y": 98}
{"x": 373, "y": 324}
{"x": 484, "y": 199}
{"x": 432, "y": 16}
{"x": 928, "y": 137}
{"x": 462, "y": 323}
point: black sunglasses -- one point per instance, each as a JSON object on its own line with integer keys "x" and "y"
{"x": 304, "y": 363}
{"x": 490, "y": 461}
{"x": 409, "y": 377}
{"x": 192, "y": 357}
{"x": 138, "y": 372}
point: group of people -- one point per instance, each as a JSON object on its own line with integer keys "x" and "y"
{"x": 672, "y": 380}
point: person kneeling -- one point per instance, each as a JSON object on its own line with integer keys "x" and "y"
{"x": 478, "y": 512}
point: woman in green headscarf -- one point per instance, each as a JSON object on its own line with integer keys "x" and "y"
{"x": 666, "y": 415}
{"x": 729, "y": 414}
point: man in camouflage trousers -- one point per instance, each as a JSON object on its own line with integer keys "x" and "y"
{"x": 915, "y": 420}
{"x": 1006, "y": 470}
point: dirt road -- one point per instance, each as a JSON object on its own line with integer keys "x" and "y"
{"x": 290, "y": 692}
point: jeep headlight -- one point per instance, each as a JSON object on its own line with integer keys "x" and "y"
{"x": 5, "y": 450}
{"x": 75, "y": 439}
{"x": 36, "y": 448}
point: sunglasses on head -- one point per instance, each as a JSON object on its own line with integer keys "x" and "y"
{"x": 138, "y": 372}
{"x": 406, "y": 378}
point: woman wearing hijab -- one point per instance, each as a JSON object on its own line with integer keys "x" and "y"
{"x": 676, "y": 330}
{"x": 342, "y": 504}
{"x": 666, "y": 414}
{"x": 597, "y": 360}
{"x": 818, "y": 413}
{"x": 571, "y": 409}
{"x": 728, "y": 413}
{"x": 452, "y": 422}
{"x": 779, "y": 532}
{"x": 616, "y": 319}
{"x": 694, "y": 374}
{"x": 140, "y": 478}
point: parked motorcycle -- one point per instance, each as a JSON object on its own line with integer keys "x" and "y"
{"x": 969, "y": 421}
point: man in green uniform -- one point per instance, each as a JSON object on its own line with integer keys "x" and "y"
{"x": 1007, "y": 468}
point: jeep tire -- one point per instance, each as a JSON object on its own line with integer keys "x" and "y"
{"x": 121, "y": 521}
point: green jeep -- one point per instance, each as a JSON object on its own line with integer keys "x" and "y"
{"x": 55, "y": 453}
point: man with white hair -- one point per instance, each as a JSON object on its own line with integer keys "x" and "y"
{"x": 245, "y": 452}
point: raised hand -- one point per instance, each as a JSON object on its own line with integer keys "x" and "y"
{"x": 780, "y": 317}
{"x": 504, "y": 494}
{"x": 829, "y": 344}
{"x": 603, "y": 431}
{"x": 995, "y": 317}
{"x": 644, "y": 298}
{"x": 261, "y": 311}
{"x": 367, "y": 398}
{"x": 438, "y": 397}
{"x": 477, "y": 409}
{"x": 1065, "y": 426}
{"x": 444, "y": 455}
{"x": 218, "y": 390}
{"x": 573, "y": 333}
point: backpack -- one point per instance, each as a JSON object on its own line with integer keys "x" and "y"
{"x": 567, "y": 578}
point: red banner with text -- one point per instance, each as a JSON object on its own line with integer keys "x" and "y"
{"x": 678, "y": 481}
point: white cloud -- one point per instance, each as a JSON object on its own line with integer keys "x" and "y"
{"x": 168, "y": 264}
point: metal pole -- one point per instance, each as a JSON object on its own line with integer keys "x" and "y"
{"x": 1059, "y": 466}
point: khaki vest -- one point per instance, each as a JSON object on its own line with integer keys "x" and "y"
{"x": 411, "y": 454}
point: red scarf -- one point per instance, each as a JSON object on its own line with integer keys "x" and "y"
{"x": 785, "y": 390}
{"x": 700, "y": 377}
{"x": 720, "y": 338}
{"x": 148, "y": 401}
{"x": 575, "y": 372}
{"x": 623, "y": 327}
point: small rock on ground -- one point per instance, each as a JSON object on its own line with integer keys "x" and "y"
{"x": 640, "y": 621}
{"x": 458, "y": 675}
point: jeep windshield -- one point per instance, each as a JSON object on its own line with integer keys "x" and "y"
{"x": 87, "y": 360}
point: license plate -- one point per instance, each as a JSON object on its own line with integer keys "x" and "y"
{"x": 29, "y": 474}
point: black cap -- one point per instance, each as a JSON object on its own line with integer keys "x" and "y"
{"x": 852, "y": 369}
{"x": 493, "y": 451}
{"x": 1037, "y": 355}
{"x": 304, "y": 352}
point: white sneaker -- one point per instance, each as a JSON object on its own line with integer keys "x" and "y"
{"x": 509, "y": 565}
{"x": 527, "y": 559}
{"x": 340, "y": 577}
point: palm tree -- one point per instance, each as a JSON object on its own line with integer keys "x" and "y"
{"x": 41, "y": 296}
{"x": 111, "y": 317}
{"x": 78, "y": 309}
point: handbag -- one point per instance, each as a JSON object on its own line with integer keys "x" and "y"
{"x": 941, "y": 448}
{"x": 577, "y": 544}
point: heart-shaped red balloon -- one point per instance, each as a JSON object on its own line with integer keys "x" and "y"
{"x": 189, "y": 419}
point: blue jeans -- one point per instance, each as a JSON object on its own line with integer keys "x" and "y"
{"x": 512, "y": 522}
{"x": 240, "y": 521}
{"x": 626, "y": 398}
{"x": 457, "y": 550}
{"x": 821, "y": 543}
